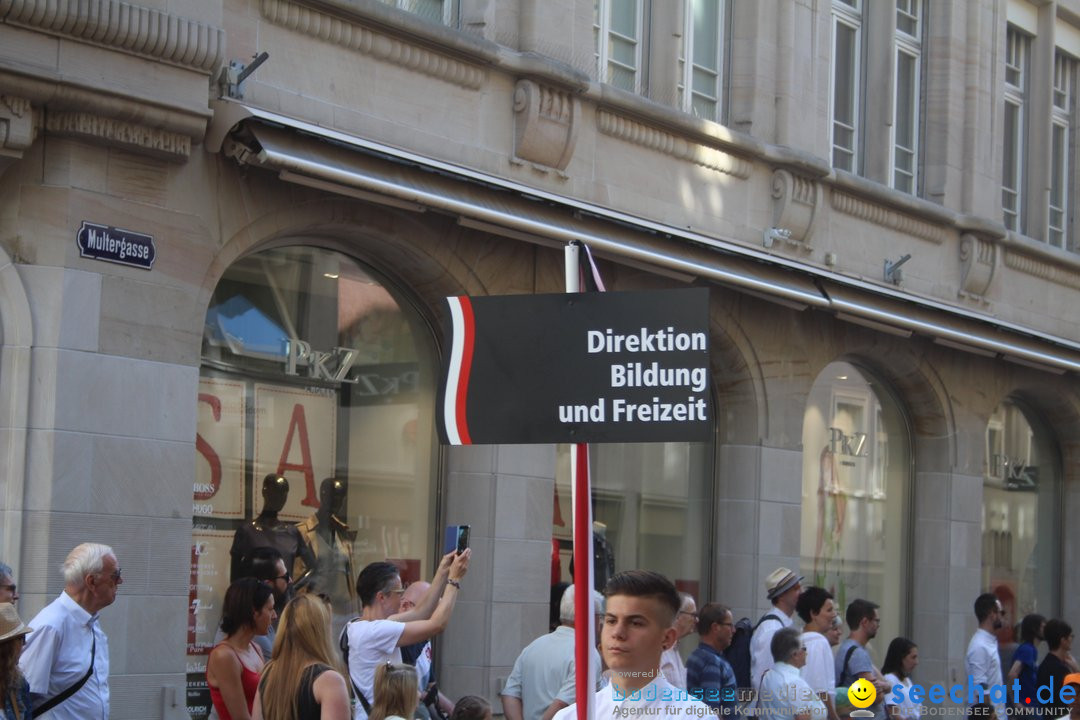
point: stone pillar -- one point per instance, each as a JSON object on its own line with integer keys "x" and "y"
{"x": 505, "y": 492}
{"x": 878, "y": 94}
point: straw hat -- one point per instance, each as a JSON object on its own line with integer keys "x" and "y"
{"x": 780, "y": 581}
{"x": 10, "y": 624}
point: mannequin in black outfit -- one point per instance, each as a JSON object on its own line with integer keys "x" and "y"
{"x": 267, "y": 530}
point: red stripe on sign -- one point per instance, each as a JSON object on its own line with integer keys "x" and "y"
{"x": 469, "y": 339}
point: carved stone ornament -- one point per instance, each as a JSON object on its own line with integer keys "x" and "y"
{"x": 795, "y": 204}
{"x": 129, "y": 136}
{"x": 978, "y": 266}
{"x": 18, "y": 128}
{"x": 546, "y": 124}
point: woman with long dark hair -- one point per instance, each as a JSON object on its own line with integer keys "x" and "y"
{"x": 232, "y": 670}
{"x": 1025, "y": 659}
{"x": 305, "y": 678}
{"x": 901, "y": 659}
{"x": 14, "y": 690}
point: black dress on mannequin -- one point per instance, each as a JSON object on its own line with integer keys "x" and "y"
{"x": 268, "y": 531}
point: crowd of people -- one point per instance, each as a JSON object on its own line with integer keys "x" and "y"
{"x": 266, "y": 667}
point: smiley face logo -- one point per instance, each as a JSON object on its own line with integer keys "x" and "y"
{"x": 862, "y": 693}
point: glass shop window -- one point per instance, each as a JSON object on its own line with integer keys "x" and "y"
{"x": 652, "y": 509}
{"x": 315, "y": 434}
{"x": 857, "y": 467}
{"x": 1021, "y": 527}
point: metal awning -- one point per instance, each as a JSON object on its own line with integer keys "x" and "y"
{"x": 314, "y": 156}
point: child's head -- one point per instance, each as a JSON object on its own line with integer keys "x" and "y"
{"x": 471, "y": 707}
{"x": 395, "y": 691}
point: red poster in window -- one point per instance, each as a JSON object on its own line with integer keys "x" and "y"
{"x": 219, "y": 444}
{"x": 295, "y": 436}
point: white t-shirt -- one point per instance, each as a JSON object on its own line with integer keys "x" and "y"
{"x": 672, "y": 668}
{"x": 761, "y": 642}
{"x": 819, "y": 672}
{"x": 371, "y": 643}
{"x": 908, "y": 708}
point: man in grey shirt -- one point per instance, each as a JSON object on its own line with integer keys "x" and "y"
{"x": 852, "y": 659}
{"x": 542, "y": 681}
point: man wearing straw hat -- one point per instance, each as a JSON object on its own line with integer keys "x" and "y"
{"x": 14, "y": 690}
{"x": 782, "y": 588}
{"x": 66, "y": 659}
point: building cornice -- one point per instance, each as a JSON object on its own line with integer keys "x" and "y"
{"x": 124, "y": 27}
{"x": 368, "y": 41}
{"x": 800, "y": 178}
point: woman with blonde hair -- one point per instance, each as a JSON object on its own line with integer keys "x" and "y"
{"x": 396, "y": 695}
{"x": 305, "y": 679}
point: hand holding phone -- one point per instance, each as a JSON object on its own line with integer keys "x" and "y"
{"x": 456, "y": 539}
{"x": 460, "y": 566}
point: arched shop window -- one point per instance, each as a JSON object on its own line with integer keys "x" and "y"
{"x": 652, "y": 509}
{"x": 1021, "y": 519}
{"x": 856, "y": 495}
{"x": 312, "y": 369}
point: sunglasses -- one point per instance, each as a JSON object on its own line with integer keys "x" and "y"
{"x": 9, "y": 588}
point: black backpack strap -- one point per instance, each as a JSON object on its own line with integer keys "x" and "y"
{"x": 768, "y": 616}
{"x": 847, "y": 658}
{"x": 344, "y": 644}
{"x": 56, "y": 700}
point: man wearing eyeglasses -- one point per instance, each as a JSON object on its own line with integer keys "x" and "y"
{"x": 671, "y": 664}
{"x": 382, "y": 629}
{"x": 66, "y": 659}
{"x": 709, "y": 676}
{"x": 8, "y": 590}
{"x": 268, "y": 566}
{"x": 783, "y": 694}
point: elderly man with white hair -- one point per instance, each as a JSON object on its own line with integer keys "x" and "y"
{"x": 66, "y": 660}
{"x": 542, "y": 681}
{"x": 9, "y": 591}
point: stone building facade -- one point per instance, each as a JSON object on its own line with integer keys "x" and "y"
{"x": 907, "y": 432}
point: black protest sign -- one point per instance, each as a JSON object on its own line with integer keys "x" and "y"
{"x": 580, "y": 367}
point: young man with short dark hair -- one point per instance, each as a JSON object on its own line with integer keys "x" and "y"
{"x": 1058, "y": 663}
{"x": 638, "y": 616}
{"x": 382, "y": 629}
{"x": 852, "y": 659}
{"x": 982, "y": 663}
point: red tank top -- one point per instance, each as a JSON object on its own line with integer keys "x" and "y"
{"x": 249, "y": 680}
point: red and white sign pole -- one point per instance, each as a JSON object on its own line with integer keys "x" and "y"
{"x": 581, "y": 496}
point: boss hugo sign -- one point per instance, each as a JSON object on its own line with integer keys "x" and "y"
{"x": 589, "y": 367}
{"x": 111, "y": 244}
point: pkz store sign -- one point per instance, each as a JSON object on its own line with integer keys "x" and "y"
{"x": 587, "y": 367}
{"x": 124, "y": 247}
